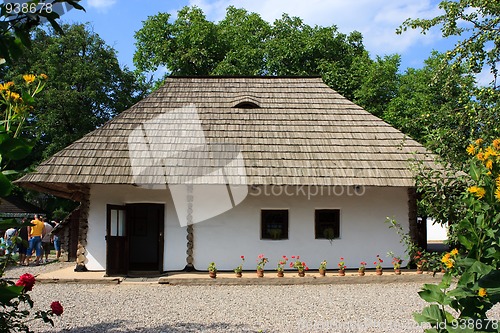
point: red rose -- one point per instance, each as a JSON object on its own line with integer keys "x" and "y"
{"x": 27, "y": 280}
{"x": 57, "y": 308}
{"x": 242, "y": 257}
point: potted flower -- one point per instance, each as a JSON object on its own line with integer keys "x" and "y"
{"x": 281, "y": 266}
{"x": 378, "y": 265}
{"x": 361, "y": 269}
{"x": 419, "y": 260}
{"x": 322, "y": 268}
{"x": 261, "y": 262}
{"x": 239, "y": 268}
{"x": 212, "y": 270}
{"x": 396, "y": 262}
{"x": 342, "y": 267}
{"x": 299, "y": 265}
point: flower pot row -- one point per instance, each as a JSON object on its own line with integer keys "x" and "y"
{"x": 301, "y": 273}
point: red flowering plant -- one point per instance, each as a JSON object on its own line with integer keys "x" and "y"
{"x": 282, "y": 263}
{"x": 342, "y": 265}
{"x": 362, "y": 266}
{"x": 12, "y": 296}
{"x": 396, "y": 260}
{"x": 378, "y": 262}
{"x": 261, "y": 262}
{"x": 299, "y": 265}
{"x": 239, "y": 268}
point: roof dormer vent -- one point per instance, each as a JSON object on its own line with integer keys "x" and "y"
{"x": 246, "y": 102}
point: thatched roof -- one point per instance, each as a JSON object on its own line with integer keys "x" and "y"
{"x": 290, "y": 131}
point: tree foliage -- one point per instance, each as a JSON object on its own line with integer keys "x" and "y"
{"x": 88, "y": 86}
{"x": 244, "y": 44}
{"x": 16, "y": 25}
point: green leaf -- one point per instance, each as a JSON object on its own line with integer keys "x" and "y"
{"x": 490, "y": 280}
{"x": 9, "y": 292}
{"x": 5, "y": 186}
{"x": 432, "y": 293}
{"x": 431, "y": 314}
{"x": 465, "y": 242}
{"x": 475, "y": 172}
{"x": 16, "y": 148}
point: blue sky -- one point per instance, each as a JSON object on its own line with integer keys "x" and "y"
{"x": 117, "y": 20}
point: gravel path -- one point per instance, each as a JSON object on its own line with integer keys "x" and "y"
{"x": 144, "y": 307}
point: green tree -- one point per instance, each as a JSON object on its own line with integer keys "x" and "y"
{"x": 244, "y": 44}
{"x": 88, "y": 86}
{"x": 16, "y": 23}
{"x": 476, "y": 25}
{"x": 432, "y": 109}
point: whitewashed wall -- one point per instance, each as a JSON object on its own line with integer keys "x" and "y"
{"x": 174, "y": 254}
{"x": 364, "y": 233}
{"x": 222, "y": 239}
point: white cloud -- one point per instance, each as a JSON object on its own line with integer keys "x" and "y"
{"x": 101, "y": 4}
{"x": 377, "y": 20}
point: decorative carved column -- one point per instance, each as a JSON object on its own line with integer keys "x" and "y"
{"x": 83, "y": 227}
{"x": 190, "y": 245}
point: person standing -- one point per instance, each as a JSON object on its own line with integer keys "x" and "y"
{"x": 56, "y": 241}
{"x": 35, "y": 240}
{"x": 46, "y": 240}
{"x": 22, "y": 243}
{"x": 10, "y": 247}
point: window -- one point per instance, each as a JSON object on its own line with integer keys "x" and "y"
{"x": 116, "y": 220}
{"x": 274, "y": 224}
{"x": 327, "y": 224}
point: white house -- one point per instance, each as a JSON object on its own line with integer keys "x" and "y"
{"x": 211, "y": 168}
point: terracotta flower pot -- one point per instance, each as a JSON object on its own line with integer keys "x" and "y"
{"x": 397, "y": 271}
{"x": 239, "y": 274}
{"x": 379, "y": 271}
{"x": 322, "y": 272}
{"x": 281, "y": 274}
{"x": 302, "y": 273}
{"x": 361, "y": 273}
{"x": 341, "y": 272}
{"x": 260, "y": 273}
{"x": 212, "y": 274}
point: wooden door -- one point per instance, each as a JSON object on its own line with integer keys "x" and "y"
{"x": 145, "y": 225}
{"x": 116, "y": 241}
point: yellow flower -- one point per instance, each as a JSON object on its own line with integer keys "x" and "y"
{"x": 449, "y": 263}
{"x": 497, "y": 193}
{"x": 479, "y": 141}
{"x": 498, "y": 181}
{"x": 496, "y": 143}
{"x": 479, "y": 192}
{"x": 445, "y": 258}
{"x": 482, "y": 292}
{"x": 14, "y": 96}
{"x": 43, "y": 76}
{"x": 480, "y": 156}
{"x": 29, "y": 78}
{"x": 489, "y": 164}
{"x": 454, "y": 252}
{"x": 490, "y": 152}
{"x": 471, "y": 149}
{"x": 6, "y": 86}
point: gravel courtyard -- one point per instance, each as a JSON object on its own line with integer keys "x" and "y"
{"x": 147, "y": 307}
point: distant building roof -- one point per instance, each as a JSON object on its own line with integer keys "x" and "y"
{"x": 17, "y": 207}
{"x": 291, "y": 131}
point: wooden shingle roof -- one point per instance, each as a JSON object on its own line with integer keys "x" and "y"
{"x": 291, "y": 131}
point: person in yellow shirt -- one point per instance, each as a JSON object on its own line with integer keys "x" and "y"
{"x": 35, "y": 240}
